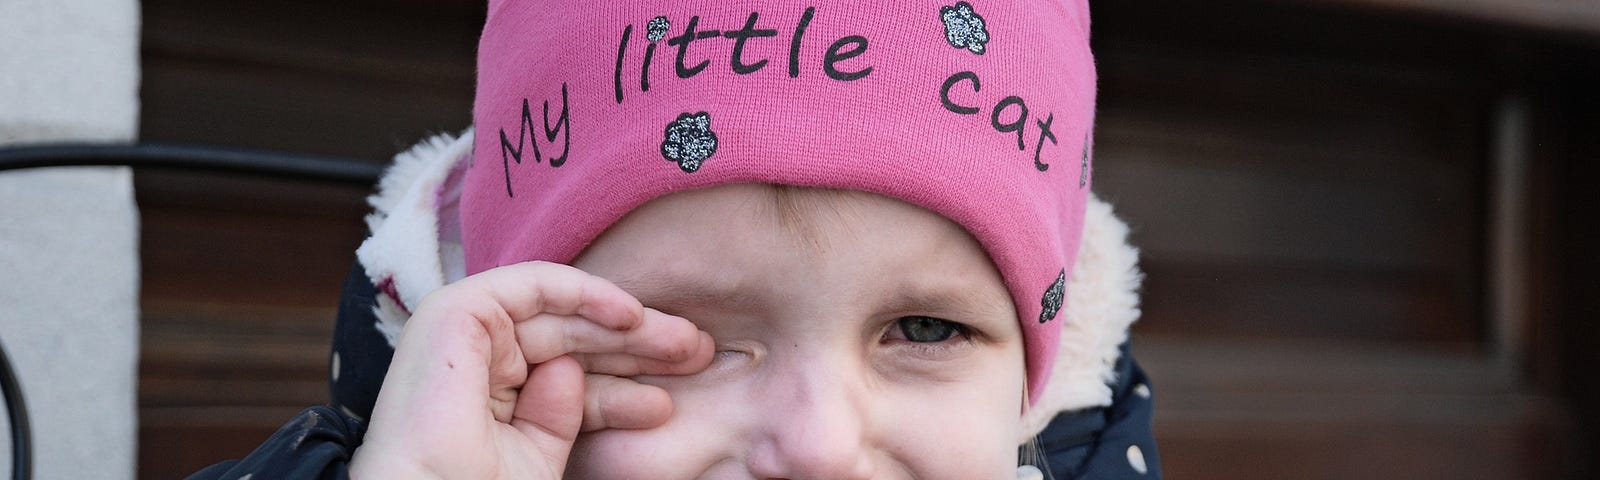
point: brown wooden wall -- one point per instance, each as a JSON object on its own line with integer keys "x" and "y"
{"x": 1311, "y": 187}
{"x": 241, "y": 276}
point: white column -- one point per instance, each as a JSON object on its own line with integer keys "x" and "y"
{"x": 69, "y": 265}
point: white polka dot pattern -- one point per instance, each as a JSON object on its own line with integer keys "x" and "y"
{"x": 1136, "y": 459}
{"x": 351, "y": 413}
{"x": 334, "y": 367}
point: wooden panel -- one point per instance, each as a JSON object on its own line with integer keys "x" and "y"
{"x": 193, "y": 354}
{"x": 1308, "y": 191}
{"x": 215, "y": 238}
{"x": 174, "y": 443}
{"x": 241, "y": 275}
{"x": 1298, "y": 187}
{"x": 1216, "y": 299}
{"x": 1231, "y": 409}
{"x": 1574, "y": 18}
{"x": 1570, "y": 172}
{"x": 360, "y": 78}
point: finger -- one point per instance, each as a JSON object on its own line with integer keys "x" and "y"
{"x": 614, "y": 402}
{"x": 660, "y": 336}
{"x": 465, "y": 338}
{"x": 531, "y": 288}
{"x": 628, "y": 365}
{"x": 550, "y": 409}
{"x": 478, "y": 312}
{"x": 446, "y": 354}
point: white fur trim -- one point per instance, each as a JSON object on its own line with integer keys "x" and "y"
{"x": 404, "y": 246}
{"x": 1102, "y": 302}
{"x": 391, "y": 318}
{"x": 1102, "y": 298}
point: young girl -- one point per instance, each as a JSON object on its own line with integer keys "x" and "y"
{"x": 745, "y": 240}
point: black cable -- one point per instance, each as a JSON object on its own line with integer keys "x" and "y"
{"x": 193, "y": 157}
{"x": 17, "y": 413}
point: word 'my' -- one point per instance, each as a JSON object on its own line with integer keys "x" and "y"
{"x": 842, "y": 49}
{"x": 510, "y": 152}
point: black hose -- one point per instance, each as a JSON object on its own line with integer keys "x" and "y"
{"x": 194, "y": 157}
{"x": 17, "y": 413}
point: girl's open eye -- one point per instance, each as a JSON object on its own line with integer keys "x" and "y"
{"x": 920, "y": 329}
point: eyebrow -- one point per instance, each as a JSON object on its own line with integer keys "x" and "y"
{"x": 964, "y": 303}
{"x": 659, "y": 290}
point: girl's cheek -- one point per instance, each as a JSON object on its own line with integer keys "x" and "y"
{"x": 656, "y": 453}
{"x": 956, "y": 428}
{"x": 702, "y": 437}
{"x": 615, "y": 454}
{"x": 967, "y": 402}
{"x": 955, "y": 363}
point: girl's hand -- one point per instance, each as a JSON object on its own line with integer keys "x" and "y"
{"x": 495, "y": 375}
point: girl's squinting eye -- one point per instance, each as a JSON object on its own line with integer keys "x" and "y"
{"x": 921, "y": 329}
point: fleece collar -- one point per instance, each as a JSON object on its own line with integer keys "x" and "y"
{"x": 415, "y": 247}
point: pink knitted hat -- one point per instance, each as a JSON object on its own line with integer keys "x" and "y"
{"x": 980, "y": 110}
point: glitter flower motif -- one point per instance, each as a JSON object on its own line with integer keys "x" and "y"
{"x": 964, "y": 28}
{"x": 689, "y": 141}
{"x": 657, "y": 28}
{"x": 1053, "y": 297}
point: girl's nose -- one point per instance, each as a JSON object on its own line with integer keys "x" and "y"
{"x": 813, "y": 426}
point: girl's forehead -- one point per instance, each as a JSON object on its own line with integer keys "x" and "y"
{"x": 809, "y": 220}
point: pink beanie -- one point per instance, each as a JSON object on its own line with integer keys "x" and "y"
{"x": 980, "y": 110}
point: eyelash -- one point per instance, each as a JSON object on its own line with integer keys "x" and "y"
{"x": 958, "y": 332}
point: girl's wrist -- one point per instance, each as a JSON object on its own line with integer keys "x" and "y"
{"x": 368, "y": 463}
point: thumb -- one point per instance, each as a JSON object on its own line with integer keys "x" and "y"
{"x": 549, "y": 409}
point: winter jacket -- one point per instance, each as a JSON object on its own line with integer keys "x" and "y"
{"x": 1093, "y": 421}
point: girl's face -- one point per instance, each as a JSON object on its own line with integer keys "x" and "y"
{"x": 858, "y": 337}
